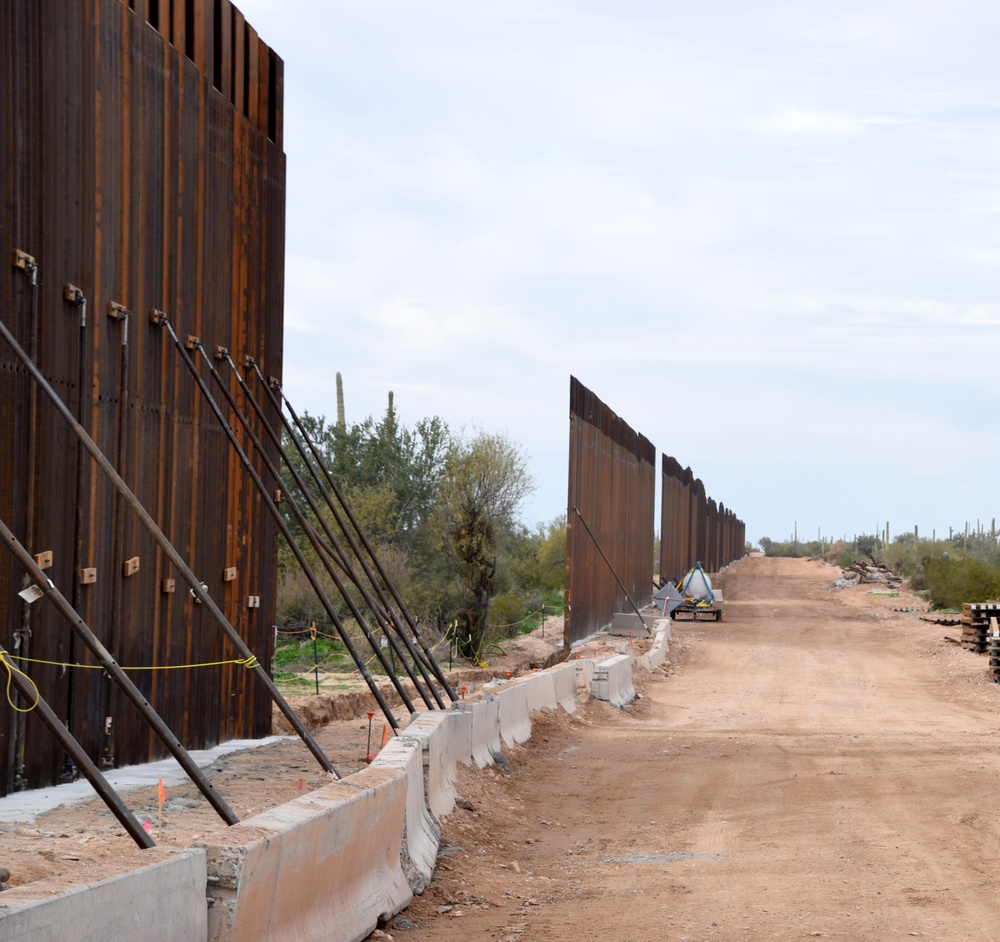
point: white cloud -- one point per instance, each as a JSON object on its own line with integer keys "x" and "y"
{"x": 795, "y": 121}
{"x": 782, "y": 216}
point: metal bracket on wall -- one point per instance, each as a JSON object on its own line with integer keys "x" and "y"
{"x": 192, "y": 342}
{"x": 43, "y": 560}
{"x": 24, "y": 261}
{"x": 229, "y": 575}
{"x": 157, "y": 318}
{"x": 117, "y": 311}
{"x": 75, "y": 295}
{"x": 131, "y": 566}
{"x": 168, "y": 585}
{"x": 221, "y": 352}
{"x": 88, "y": 576}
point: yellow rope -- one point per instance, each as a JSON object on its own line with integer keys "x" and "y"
{"x": 319, "y": 664}
{"x": 10, "y": 676}
{"x": 249, "y": 663}
{"x": 514, "y": 624}
{"x": 308, "y": 631}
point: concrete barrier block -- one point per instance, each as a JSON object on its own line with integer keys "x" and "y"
{"x": 515, "y": 722}
{"x": 657, "y": 654}
{"x": 612, "y": 680}
{"x": 584, "y": 674}
{"x": 485, "y": 728}
{"x": 421, "y": 835}
{"x": 164, "y": 899}
{"x": 324, "y": 866}
{"x": 564, "y": 682}
{"x": 540, "y": 691}
{"x": 447, "y": 740}
{"x": 629, "y": 623}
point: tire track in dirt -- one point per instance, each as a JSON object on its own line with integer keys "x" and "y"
{"x": 817, "y": 766}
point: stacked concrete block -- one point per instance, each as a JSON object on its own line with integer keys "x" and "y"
{"x": 612, "y": 680}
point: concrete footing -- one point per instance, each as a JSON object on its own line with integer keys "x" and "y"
{"x": 332, "y": 863}
{"x": 163, "y": 900}
{"x": 625, "y": 624}
{"x": 324, "y": 866}
{"x": 657, "y": 653}
{"x": 421, "y": 834}
{"x": 515, "y": 720}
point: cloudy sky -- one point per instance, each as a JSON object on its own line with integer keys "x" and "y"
{"x": 764, "y": 233}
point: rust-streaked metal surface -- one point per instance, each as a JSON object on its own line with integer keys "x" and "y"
{"x": 693, "y": 528}
{"x": 142, "y": 164}
{"x": 612, "y": 481}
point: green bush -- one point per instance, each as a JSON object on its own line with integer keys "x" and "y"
{"x": 506, "y": 612}
{"x": 792, "y": 548}
{"x": 295, "y": 653}
{"x": 950, "y": 583}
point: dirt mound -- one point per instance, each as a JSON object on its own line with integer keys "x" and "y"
{"x": 540, "y": 649}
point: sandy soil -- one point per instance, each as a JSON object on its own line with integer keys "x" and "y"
{"x": 816, "y": 765}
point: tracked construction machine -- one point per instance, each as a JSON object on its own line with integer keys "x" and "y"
{"x": 693, "y": 598}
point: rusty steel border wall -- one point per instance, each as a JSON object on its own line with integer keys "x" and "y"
{"x": 142, "y": 164}
{"x": 612, "y": 483}
{"x": 693, "y": 528}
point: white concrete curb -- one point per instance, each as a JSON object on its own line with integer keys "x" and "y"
{"x": 613, "y": 680}
{"x": 422, "y": 836}
{"x": 540, "y": 690}
{"x": 163, "y": 900}
{"x": 515, "y": 723}
{"x": 485, "y": 728}
{"x": 327, "y": 867}
{"x": 447, "y": 740}
{"x": 657, "y": 654}
{"x": 564, "y": 684}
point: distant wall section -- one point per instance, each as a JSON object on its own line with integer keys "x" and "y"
{"x": 693, "y": 528}
{"x": 609, "y": 532}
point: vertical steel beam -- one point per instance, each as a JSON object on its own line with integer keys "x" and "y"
{"x": 160, "y": 319}
{"x": 116, "y": 674}
{"x": 182, "y": 567}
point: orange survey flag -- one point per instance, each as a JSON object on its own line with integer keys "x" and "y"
{"x": 162, "y": 796}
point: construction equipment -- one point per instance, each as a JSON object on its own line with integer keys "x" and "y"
{"x": 699, "y": 600}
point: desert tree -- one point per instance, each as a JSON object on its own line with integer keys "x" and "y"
{"x": 486, "y": 480}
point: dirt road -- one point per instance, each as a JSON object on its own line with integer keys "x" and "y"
{"x": 817, "y": 765}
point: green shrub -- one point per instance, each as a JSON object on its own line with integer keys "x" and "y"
{"x": 950, "y": 582}
{"x": 506, "y": 612}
